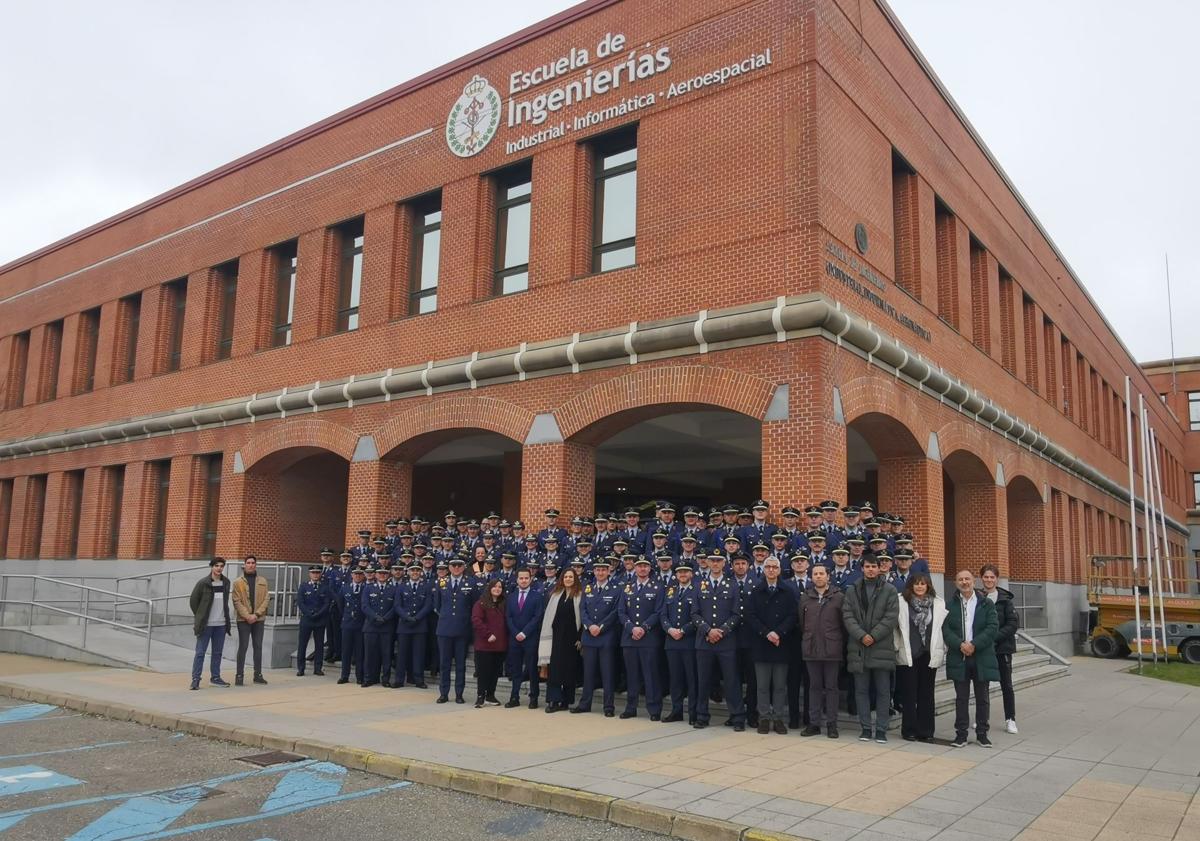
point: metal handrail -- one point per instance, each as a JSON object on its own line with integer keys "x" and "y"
{"x": 86, "y": 591}
{"x": 1050, "y": 652}
{"x": 286, "y": 577}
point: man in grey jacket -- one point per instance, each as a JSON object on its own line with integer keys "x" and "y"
{"x": 210, "y": 611}
{"x": 870, "y": 611}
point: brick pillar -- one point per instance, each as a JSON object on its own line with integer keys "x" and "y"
{"x": 69, "y": 363}
{"x": 1035, "y": 348}
{"x": 58, "y": 516}
{"x": 555, "y": 215}
{"x": 36, "y": 371}
{"x": 200, "y": 319}
{"x": 926, "y": 245}
{"x": 254, "y": 310}
{"x": 386, "y": 235}
{"x": 1028, "y": 559}
{"x": 510, "y": 490}
{"x": 6, "y": 514}
{"x": 151, "y": 350}
{"x": 1015, "y": 302}
{"x": 468, "y": 240}
{"x": 315, "y": 311}
{"x": 28, "y": 508}
{"x": 557, "y": 475}
{"x": 981, "y": 526}
{"x": 185, "y": 508}
{"x": 906, "y": 232}
{"x": 912, "y": 486}
{"x": 95, "y": 511}
{"x": 378, "y": 491}
{"x": 137, "y": 510}
{"x": 6, "y": 373}
{"x": 985, "y": 301}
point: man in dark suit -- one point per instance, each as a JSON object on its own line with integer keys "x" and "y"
{"x": 523, "y": 614}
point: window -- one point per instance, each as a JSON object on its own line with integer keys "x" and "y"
{"x": 89, "y": 338}
{"x": 946, "y": 237}
{"x": 18, "y": 361}
{"x": 176, "y": 304}
{"x": 426, "y": 255}
{"x": 129, "y": 318}
{"x": 1194, "y": 410}
{"x": 73, "y": 507}
{"x": 212, "y": 504}
{"x": 1008, "y": 323}
{"x": 614, "y": 218}
{"x": 906, "y": 225}
{"x": 52, "y": 356}
{"x": 227, "y": 280}
{"x": 35, "y": 507}
{"x": 161, "y": 483}
{"x": 349, "y": 275}
{"x": 6, "y": 497}
{"x": 116, "y": 495}
{"x": 1196, "y": 490}
{"x": 514, "y": 191}
{"x": 1032, "y": 362}
{"x": 285, "y": 293}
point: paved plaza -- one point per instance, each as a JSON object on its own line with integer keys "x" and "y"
{"x": 1101, "y": 755}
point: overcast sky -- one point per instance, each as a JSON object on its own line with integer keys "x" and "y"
{"x": 1092, "y": 109}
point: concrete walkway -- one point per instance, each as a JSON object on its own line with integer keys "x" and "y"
{"x": 1102, "y": 755}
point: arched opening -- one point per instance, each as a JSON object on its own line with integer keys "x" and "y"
{"x": 969, "y": 499}
{"x": 470, "y": 470}
{"x": 295, "y": 503}
{"x": 690, "y": 454}
{"x": 886, "y": 465}
{"x": 1026, "y": 531}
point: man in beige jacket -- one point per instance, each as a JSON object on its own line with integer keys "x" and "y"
{"x": 250, "y": 615}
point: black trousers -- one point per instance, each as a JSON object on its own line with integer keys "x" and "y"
{"x": 914, "y": 688}
{"x": 410, "y": 659}
{"x": 352, "y": 653}
{"x": 682, "y": 663}
{"x": 749, "y": 678}
{"x": 249, "y": 633}
{"x": 797, "y": 679}
{"x": 377, "y": 654}
{"x": 315, "y": 630}
{"x": 962, "y": 702}
{"x": 487, "y": 672}
{"x": 1006, "y": 687}
{"x": 718, "y": 665}
{"x": 333, "y": 632}
{"x": 599, "y": 667}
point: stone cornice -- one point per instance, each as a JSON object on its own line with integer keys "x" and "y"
{"x": 706, "y": 331}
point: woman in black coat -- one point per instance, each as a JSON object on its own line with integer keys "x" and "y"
{"x": 1006, "y": 640}
{"x": 771, "y": 615}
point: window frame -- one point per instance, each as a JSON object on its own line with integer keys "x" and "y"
{"x": 422, "y": 209}
{"x": 227, "y": 275}
{"x": 286, "y": 264}
{"x": 622, "y": 140}
{"x": 1193, "y": 411}
{"x": 89, "y": 322}
{"x": 506, "y": 180}
{"x": 351, "y": 241}
{"x": 176, "y": 314}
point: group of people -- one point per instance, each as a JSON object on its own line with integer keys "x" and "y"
{"x": 728, "y": 606}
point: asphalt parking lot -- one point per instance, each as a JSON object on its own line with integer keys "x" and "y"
{"x": 64, "y": 775}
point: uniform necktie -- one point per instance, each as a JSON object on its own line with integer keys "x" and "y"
{"x": 771, "y": 589}
{"x": 521, "y": 601}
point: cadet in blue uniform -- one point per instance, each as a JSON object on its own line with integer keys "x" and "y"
{"x": 747, "y": 675}
{"x": 552, "y": 529}
{"x": 598, "y": 610}
{"x": 413, "y": 600}
{"x": 759, "y": 530}
{"x": 312, "y": 600}
{"x": 363, "y": 549}
{"x": 453, "y": 599}
{"x": 639, "y": 611}
{"x": 331, "y": 580}
{"x": 379, "y": 628}
{"x": 841, "y": 573}
{"x": 523, "y": 616}
{"x": 352, "y": 627}
{"x": 716, "y": 615}
{"x": 680, "y": 629}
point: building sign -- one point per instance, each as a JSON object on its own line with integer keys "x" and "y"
{"x": 607, "y": 68}
{"x": 850, "y": 278}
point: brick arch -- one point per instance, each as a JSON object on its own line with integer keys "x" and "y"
{"x": 449, "y": 417}
{"x": 1019, "y": 463}
{"x": 875, "y": 406}
{"x": 303, "y": 436}
{"x": 971, "y": 437}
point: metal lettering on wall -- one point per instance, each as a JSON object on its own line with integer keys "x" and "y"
{"x": 847, "y": 277}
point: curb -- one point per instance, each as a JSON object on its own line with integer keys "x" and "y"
{"x": 553, "y": 798}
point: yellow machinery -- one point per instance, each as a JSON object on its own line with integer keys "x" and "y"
{"x": 1113, "y": 626}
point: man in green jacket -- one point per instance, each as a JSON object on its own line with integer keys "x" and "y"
{"x": 970, "y": 632}
{"x": 210, "y": 612}
{"x": 869, "y": 611}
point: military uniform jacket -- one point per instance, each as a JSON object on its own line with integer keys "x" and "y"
{"x": 558, "y": 531}
{"x": 453, "y": 605}
{"x": 378, "y": 603}
{"x": 718, "y": 605}
{"x": 756, "y": 533}
{"x": 331, "y": 580}
{"x": 413, "y": 603}
{"x": 641, "y": 607}
{"x": 745, "y": 637}
{"x": 352, "y": 609}
{"x": 678, "y": 608}
{"x": 599, "y": 607}
{"x": 312, "y": 600}
{"x": 844, "y": 578}
{"x": 359, "y": 552}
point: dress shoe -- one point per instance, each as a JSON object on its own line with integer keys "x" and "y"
{"x": 729, "y": 722}
{"x": 629, "y": 714}
{"x": 318, "y": 673}
{"x": 691, "y": 722}
{"x": 831, "y": 731}
{"x": 577, "y": 709}
{"x": 794, "y": 723}
{"x": 195, "y": 684}
{"x": 609, "y": 713}
{"x": 533, "y": 704}
{"x": 764, "y": 726}
{"x": 655, "y": 717}
{"x": 458, "y": 699}
{"x": 421, "y": 686}
{"x": 779, "y": 728}
{"x": 667, "y": 719}
{"x": 752, "y": 719}
{"x": 739, "y": 728}
{"x": 811, "y": 730}
{"x": 343, "y": 680}
{"x": 700, "y": 725}
{"x": 512, "y": 704}
{"x": 478, "y": 703}
{"x": 442, "y": 699}
{"x": 259, "y": 679}
{"x": 367, "y": 684}
{"x": 910, "y": 738}
{"x": 299, "y": 674}
{"x": 239, "y": 681}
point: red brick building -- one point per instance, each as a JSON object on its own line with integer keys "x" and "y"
{"x": 1177, "y": 384}
{"x": 705, "y": 250}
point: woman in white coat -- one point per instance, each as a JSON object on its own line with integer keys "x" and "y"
{"x": 920, "y": 652}
{"x": 559, "y": 642}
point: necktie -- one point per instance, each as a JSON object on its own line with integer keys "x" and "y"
{"x": 521, "y": 601}
{"x": 771, "y": 589}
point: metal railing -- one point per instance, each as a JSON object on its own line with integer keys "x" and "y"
{"x": 1050, "y": 652}
{"x": 85, "y": 601}
{"x": 284, "y": 578}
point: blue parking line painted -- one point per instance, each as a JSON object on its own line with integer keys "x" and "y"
{"x": 299, "y": 807}
{"x": 141, "y": 815}
{"x": 96, "y": 746}
{"x": 324, "y": 779}
{"x": 41, "y": 718}
{"x": 25, "y": 712}
{"x": 21, "y": 779}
